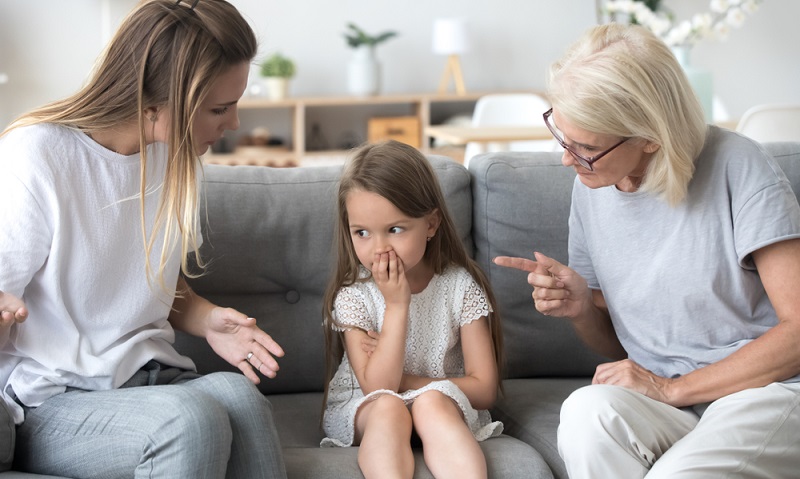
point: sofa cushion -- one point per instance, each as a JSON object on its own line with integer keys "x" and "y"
{"x": 530, "y": 410}
{"x": 8, "y": 433}
{"x": 268, "y": 243}
{"x": 521, "y": 205}
{"x": 27, "y": 475}
{"x": 297, "y": 418}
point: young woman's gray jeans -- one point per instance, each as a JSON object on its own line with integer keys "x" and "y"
{"x": 162, "y": 423}
{"x": 7, "y": 437}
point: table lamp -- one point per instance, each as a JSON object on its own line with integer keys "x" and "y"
{"x": 450, "y": 38}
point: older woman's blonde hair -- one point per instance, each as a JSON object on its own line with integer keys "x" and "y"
{"x": 166, "y": 54}
{"x": 622, "y": 80}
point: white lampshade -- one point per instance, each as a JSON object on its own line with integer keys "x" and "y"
{"x": 450, "y": 36}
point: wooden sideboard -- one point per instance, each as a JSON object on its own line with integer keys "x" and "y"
{"x": 420, "y": 106}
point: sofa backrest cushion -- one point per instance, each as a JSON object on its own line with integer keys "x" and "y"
{"x": 268, "y": 241}
{"x": 521, "y": 205}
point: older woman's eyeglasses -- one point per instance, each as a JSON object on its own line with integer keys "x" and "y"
{"x": 582, "y": 160}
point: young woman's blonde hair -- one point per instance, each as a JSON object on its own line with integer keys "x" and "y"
{"x": 402, "y": 175}
{"x": 166, "y": 55}
{"x": 622, "y": 80}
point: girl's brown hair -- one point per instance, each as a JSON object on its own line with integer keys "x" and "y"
{"x": 166, "y": 54}
{"x": 402, "y": 175}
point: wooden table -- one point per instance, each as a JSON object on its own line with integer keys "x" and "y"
{"x": 461, "y": 135}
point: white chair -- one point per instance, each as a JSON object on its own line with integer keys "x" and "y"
{"x": 773, "y": 122}
{"x": 509, "y": 109}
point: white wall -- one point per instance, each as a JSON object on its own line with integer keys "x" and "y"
{"x": 47, "y": 47}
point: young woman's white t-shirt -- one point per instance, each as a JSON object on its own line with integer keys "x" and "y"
{"x": 71, "y": 247}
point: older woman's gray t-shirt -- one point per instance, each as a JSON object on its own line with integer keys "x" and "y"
{"x": 681, "y": 286}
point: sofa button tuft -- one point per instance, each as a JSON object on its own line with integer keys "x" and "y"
{"x": 292, "y": 297}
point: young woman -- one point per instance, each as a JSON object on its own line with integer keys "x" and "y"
{"x": 99, "y": 214}
{"x": 403, "y": 272}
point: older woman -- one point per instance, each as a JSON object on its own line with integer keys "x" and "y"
{"x": 684, "y": 261}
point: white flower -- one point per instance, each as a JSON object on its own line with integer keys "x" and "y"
{"x": 626, "y": 6}
{"x": 702, "y": 21}
{"x": 750, "y": 6}
{"x": 721, "y": 30}
{"x": 718, "y": 6}
{"x": 735, "y": 17}
{"x": 660, "y": 26}
{"x": 723, "y": 15}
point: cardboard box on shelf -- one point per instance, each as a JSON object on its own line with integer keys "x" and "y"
{"x": 404, "y": 129}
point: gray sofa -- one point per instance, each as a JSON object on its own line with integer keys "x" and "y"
{"x": 268, "y": 239}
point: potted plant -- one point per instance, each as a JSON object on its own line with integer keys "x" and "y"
{"x": 364, "y": 69}
{"x": 357, "y": 37}
{"x": 277, "y": 69}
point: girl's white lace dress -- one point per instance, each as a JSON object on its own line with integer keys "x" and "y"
{"x": 433, "y": 348}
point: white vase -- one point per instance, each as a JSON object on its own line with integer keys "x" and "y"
{"x": 700, "y": 80}
{"x": 364, "y": 72}
{"x": 277, "y": 88}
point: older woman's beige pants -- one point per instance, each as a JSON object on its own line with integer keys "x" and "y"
{"x": 612, "y": 432}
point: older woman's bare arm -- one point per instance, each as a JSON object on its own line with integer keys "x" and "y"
{"x": 775, "y": 356}
{"x": 772, "y": 357}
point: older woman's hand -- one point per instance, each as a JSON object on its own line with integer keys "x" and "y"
{"x": 628, "y": 374}
{"x": 557, "y": 289}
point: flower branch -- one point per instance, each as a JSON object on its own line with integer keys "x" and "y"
{"x": 716, "y": 23}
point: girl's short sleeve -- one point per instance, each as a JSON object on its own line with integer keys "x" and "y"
{"x": 350, "y": 311}
{"x": 476, "y": 305}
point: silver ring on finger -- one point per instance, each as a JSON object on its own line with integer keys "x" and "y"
{"x": 249, "y": 355}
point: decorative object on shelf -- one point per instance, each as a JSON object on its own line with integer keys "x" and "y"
{"x": 404, "y": 129}
{"x": 304, "y": 112}
{"x": 700, "y": 78}
{"x": 348, "y": 140}
{"x": 316, "y": 140}
{"x": 277, "y": 70}
{"x": 255, "y": 84}
{"x": 680, "y": 36}
{"x": 258, "y": 148}
{"x": 450, "y": 38}
{"x": 364, "y": 71}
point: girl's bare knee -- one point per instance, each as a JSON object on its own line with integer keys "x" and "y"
{"x": 390, "y": 408}
{"x": 433, "y": 408}
{"x": 384, "y": 411}
{"x": 433, "y": 401}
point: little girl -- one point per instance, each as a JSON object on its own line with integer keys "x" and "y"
{"x": 403, "y": 272}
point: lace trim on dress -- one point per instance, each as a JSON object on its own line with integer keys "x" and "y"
{"x": 349, "y": 311}
{"x": 475, "y": 304}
